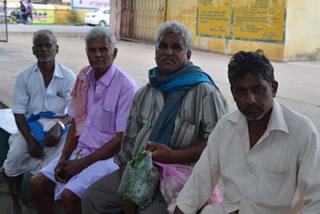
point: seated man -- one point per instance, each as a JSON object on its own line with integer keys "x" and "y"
{"x": 101, "y": 102}
{"x": 263, "y": 152}
{"x": 21, "y": 14}
{"x": 175, "y": 112}
{"x": 42, "y": 87}
{"x": 28, "y": 8}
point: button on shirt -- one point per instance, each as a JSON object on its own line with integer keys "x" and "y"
{"x": 262, "y": 179}
{"x": 31, "y": 95}
{"x": 108, "y": 104}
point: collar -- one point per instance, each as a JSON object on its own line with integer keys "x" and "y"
{"x": 106, "y": 77}
{"x": 277, "y": 120}
{"x": 56, "y": 73}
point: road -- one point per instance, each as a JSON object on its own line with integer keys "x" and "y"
{"x": 56, "y": 28}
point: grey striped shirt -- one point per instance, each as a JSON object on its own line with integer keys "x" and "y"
{"x": 200, "y": 110}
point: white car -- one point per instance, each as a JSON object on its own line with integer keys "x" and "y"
{"x": 99, "y": 17}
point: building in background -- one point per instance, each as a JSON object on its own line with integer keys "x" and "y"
{"x": 283, "y": 29}
{"x": 90, "y": 4}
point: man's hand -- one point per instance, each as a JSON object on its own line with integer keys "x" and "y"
{"x": 66, "y": 169}
{"x": 34, "y": 149}
{"x": 128, "y": 206}
{"x": 59, "y": 171}
{"x": 53, "y": 136}
{"x": 161, "y": 152}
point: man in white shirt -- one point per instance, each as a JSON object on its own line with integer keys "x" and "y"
{"x": 42, "y": 89}
{"x": 263, "y": 153}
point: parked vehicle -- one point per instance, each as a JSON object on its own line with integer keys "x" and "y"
{"x": 99, "y": 17}
{"x": 16, "y": 16}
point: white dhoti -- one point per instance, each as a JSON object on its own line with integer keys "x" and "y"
{"x": 18, "y": 159}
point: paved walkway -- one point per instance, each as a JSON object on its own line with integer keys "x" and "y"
{"x": 298, "y": 81}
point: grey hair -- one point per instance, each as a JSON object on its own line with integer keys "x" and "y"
{"x": 101, "y": 32}
{"x": 43, "y": 32}
{"x": 176, "y": 28}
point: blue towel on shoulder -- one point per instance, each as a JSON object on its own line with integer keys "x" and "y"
{"x": 177, "y": 85}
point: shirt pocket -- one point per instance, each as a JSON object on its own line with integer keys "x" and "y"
{"x": 275, "y": 189}
{"x": 183, "y": 133}
{"x": 276, "y": 178}
{"x": 105, "y": 119}
{"x": 56, "y": 103}
{"x": 276, "y": 159}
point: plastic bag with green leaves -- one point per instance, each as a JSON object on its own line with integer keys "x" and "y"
{"x": 140, "y": 180}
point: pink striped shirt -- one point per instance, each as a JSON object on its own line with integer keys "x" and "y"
{"x": 109, "y": 101}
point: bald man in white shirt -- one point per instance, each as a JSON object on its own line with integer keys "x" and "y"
{"x": 43, "y": 87}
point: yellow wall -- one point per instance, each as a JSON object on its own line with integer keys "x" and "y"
{"x": 227, "y": 33}
{"x": 302, "y": 30}
{"x": 62, "y": 15}
{"x": 293, "y": 31}
{"x": 272, "y": 50}
{"x": 185, "y": 11}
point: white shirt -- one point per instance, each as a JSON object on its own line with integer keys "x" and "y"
{"x": 263, "y": 179}
{"x": 31, "y": 95}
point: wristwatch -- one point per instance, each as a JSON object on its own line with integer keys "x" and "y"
{"x": 61, "y": 124}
